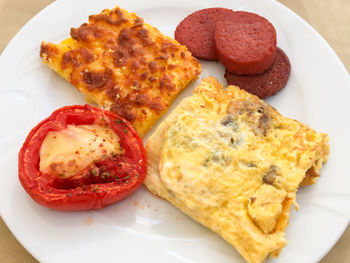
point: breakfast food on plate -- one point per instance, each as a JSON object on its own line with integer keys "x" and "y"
{"x": 81, "y": 158}
{"x": 266, "y": 84}
{"x": 245, "y": 43}
{"x": 233, "y": 163}
{"x": 196, "y": 31}
{"x": 123, "y": 65}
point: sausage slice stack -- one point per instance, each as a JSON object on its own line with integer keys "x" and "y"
{"x": 244, "y": 42}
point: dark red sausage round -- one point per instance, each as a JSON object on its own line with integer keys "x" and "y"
{"x": 266, "y": 84}
{"x": 196, "y": 32}
{"x": 245, "y": 43}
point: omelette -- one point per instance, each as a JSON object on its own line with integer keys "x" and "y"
{"x": 124, "y": 65}
{"x": 233, "y": 163}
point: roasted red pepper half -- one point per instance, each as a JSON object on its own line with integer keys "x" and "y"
{"x": 103, "y": 182}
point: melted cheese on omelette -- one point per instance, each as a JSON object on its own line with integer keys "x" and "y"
{"x": 70, "y": 150}
{"x": 234, "y": 164}
{"x": 124, "y": 65}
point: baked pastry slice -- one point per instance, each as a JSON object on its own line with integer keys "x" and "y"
{"x": 234, "y": 164}
{"x": 124, "y": 65}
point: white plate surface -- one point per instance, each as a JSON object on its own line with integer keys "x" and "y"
{"x": 143, "y": 227}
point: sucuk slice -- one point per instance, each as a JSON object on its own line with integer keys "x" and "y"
{"x": 245, "y": 43}
{"x": 266, "y": 84}
{"x": 196, "y": 32}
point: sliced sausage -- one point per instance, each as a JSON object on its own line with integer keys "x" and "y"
{"x": 245, "y": 43}
{"x": 196, "y": 32}
{"x": 266, "y": 84}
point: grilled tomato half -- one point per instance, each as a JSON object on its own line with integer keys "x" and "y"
{"x": 81, "y": 158}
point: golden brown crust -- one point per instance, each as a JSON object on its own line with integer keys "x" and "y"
{"x": 310, "y": 178}
{"x": 124, "y": 65}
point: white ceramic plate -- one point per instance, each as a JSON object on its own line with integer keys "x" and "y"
{"x": 143, "y": 227}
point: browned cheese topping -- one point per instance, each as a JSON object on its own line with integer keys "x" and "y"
{"x": 124, "y": 65}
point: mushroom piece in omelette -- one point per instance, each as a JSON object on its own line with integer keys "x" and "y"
{"x": 233, "y": 163}
{"x": 124, "y": 65}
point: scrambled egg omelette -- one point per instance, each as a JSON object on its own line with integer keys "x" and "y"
{"x": 234, "y": 164}
{"x": 124, "y": 65}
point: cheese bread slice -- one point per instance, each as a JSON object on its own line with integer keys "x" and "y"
{"x": 233, "y": 163}
{"x": 124, "y": 65}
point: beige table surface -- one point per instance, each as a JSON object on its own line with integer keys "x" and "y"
{"x": 331, "y": 18}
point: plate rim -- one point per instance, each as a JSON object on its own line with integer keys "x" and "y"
{"x": 53, "y": 5}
